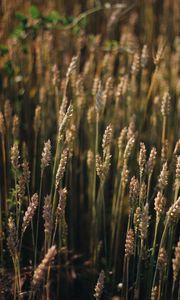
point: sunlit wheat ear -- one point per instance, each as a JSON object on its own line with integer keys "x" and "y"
{"x": 135, "y": 64}
{"x": 12, "y": 240}
{"x": 129, "y": 244}
{"x": 125, "y": 174}
{"x": 56, "y": 75}
{"x": 177, "y": 148}
{"x": 26, "y": 172}
{"x": 176, "y": 262}
{"x": 46, "y": 155}
{"x": 47, "y": 215}
{"x": 159, "y": 55}
{"x": 15, "y": 127}
{"x": 108, "y": 90}
{"x": 173, "y": 213}
{"x": 122, "y": 139}
{"x": 40, "y": 271}
{"x": 144, "y": 223}
{"x": 131, "y": 128}
{"x": 129, "y": 148}
{"x": 159, "y": 205}
{"x": 15, "y": 156}
{"x": 144, "y": 56}
{"x": 137, "y": 219}
{"x": 162, "y": 259}
{"x": 165, "y": 106}
{"x": 154, "y": 293}
{"x": 164, "y": 152}
{"x": 61, "y": 168}
{"x": 62, "y": 204}
{"x": 163, "y": 177}
{"x": 142, "y": 159}
{"x": 142, "y": 193}
{"x": 177, "y": 178}
{"x": 72, "y": 66}
{"x": 107, "y": 139}
{"x": 30, "y": 212}
{"x": 121, "y": 89}
{"x": 21, "y": 189}
{"x": 133, "y": 192}
{"x": 2, "y": 125}
{"x": 8, "y": 114}
{"x": 151, "y": 161}
{"x": 99, "y": 286}
{"x": 99, "y": 101}
{"x": 37, "y": 119}
{"x": 64, "y": 121}
{"x": 90, "y": 158}
{"x": 95, "y": 86}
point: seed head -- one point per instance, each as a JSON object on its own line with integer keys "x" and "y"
{"x": 125, "y": 174}
{"x": 137, "y": 219}
{"x": 40, "y": 271}
{"x": 46, "y": 155}
{"x": 159, "y": 204}
{"x": 173, "y": 213}
{"x": 177, "y": 178}
{"x": 99, "y": 286}
{"x": 26, "y": 172}
{"x": 72, "y": 66}
{"x": 159, "y": 55}
{"x": 30, "y": 212}
{"x": 2, "y": 126}
{"x": 107, "y": 138}
{"x": 152, "y": 160}
{"x": 129, "y": 148}
{"x": 129, "y": 245}
{"x": 122, "y": 139}
{"x": 143, "y": 192}
{"x": 163, "y": 177}
{"x": 164, "y": 152}
{"x": 62, "y": 166}
{"x": 154, "y": 293}
{"x": 176, "y": 262}
{"x": 99, "y": 102}
{"x": 162, "y": 259}
{"x": 144, "y": 56}
{"x": 64, "y": 121}
{"x": 133, "y": 192}
{"x": 47, "y": 215}
{"x": 62, "y": 204}
{"x": 136, "y": 64}
{"x": 15, "y": 156}
{"x": 15, "y": 128}
{"x": 21, "y": 188}
{"x": 37, "y": 119}
{"x": 165, "y": 106}
{"x": 144, "y": 223}
{"x": 142, "y": 158}
{"x": 90, "y": 158}
{"x": 12, "y": 240}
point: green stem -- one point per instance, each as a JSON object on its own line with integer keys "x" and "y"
{"x": 38, "y": 218}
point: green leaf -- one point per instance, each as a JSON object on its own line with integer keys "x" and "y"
{"x": 18, "y": 31}
{"x": 3, "y": 50}
{"x": 53, "y": 17}
{"x": 34, "y": 12}
{"x": 21, "y": 17}
{"x": 8, "y": 67}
